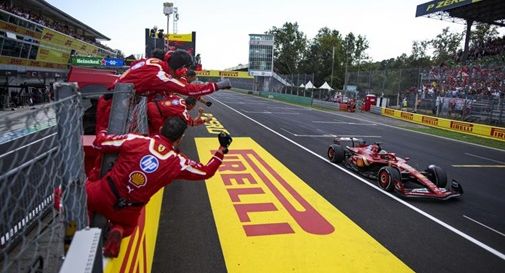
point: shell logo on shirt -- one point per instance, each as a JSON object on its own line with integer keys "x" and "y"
{"x": 138, "y": 179}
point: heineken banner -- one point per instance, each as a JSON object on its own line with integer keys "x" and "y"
{"x": 97, "y": 61}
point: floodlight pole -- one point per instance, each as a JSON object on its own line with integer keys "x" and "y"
{"x": 168, "y": 8}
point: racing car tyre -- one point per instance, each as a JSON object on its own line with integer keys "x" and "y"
{"x": 336, "y": 153}
{"x": 386, "y": 177}
{"x": 437, "y": 175}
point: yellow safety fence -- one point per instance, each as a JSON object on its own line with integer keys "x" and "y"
{"x": 469, "y": 128}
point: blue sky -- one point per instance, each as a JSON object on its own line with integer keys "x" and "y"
{"x": 222, "y": 27}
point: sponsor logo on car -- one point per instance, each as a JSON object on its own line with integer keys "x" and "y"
{"x": 462, "y": 126}
{"x": 149, "y": 163}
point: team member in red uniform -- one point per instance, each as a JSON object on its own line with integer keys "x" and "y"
{"x": 191, "y": 77}
{"x": 154, "y": 76}
{"x": 158, "y": 111}
{"x": 143, "y": 166}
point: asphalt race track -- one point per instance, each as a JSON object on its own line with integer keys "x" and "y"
{"x": 458, "y": 235}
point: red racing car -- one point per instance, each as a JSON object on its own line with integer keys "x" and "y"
{"x": 392, "y": 172}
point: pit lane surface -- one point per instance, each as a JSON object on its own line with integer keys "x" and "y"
{"x": 465, "y": 235}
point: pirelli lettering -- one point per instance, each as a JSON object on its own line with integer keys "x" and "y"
{"x": 407, "y": 115}
{"x": 498, "y": 133}
{"x": 389, "y": 112}
{"x": 461, "y": 126}
{"x": 213, "y": 125}
{"x": 430, "y": 120}
{"x": 230, "y": 74}
{"x": 272, "y": 185}
{"x": 269, "y": 220}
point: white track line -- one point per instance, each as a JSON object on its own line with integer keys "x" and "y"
{"x": 423, "y": 213}
{"x": 328, "y": 135}
{"x": 485, "y": 158}
{"x": 488, "y": 227}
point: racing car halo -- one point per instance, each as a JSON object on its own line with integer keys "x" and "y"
{"x": 391, "y": 172}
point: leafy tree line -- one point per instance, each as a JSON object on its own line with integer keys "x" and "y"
{"x": 294, "y": 53}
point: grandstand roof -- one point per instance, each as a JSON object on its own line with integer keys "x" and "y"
{"x": 46, "y": 8}
{"x": 484, "y": 11}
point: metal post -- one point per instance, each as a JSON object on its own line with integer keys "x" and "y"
{"x": 345, "y": 73}
{"x": 118, "y": 119}
{"x": 399, "y": 87}
{"x": 332, "y": 65}
{"x": 168, "y": 23}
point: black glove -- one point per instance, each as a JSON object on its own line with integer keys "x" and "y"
{"x": 224, "y": 84}
{"x": 225, "y": 141}
{"x": 208, "y": 103}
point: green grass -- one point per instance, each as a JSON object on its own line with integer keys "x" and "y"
{"x": 459, "y": 136}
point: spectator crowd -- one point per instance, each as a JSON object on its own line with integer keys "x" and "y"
{"x": 47, "y": 22}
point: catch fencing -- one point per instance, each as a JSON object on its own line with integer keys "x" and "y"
{"x": 42, "y": 199}
{"x": 42, "y": 193}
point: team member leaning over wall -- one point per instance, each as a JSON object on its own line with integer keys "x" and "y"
{"x": 143, "y": 166}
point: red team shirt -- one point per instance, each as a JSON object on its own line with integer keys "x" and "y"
{"x": 144, "y": 165}
{"x": 149, "y": 78}
{"x": 158, "y": 111}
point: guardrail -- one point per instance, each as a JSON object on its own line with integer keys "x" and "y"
{"x": 469, "y": 128}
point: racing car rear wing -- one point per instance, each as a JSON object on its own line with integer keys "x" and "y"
{"x": 353, "y": 140}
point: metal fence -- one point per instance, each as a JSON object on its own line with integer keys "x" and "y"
{"x": 41, "y": 183}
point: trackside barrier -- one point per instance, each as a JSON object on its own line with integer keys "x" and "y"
{"x": 486, "y": 131}
{"x": 306, "y": 101}
{"x": 288, "y": 98}
{"x": 326, "y": 104}
{"x": 375, "y": 110}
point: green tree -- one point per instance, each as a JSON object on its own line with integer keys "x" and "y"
{"x": 419, "y": 50}
{"x": 360, "y": 46}
{"x": 323, "y": 51}
{"x": 290, "y": 44}
{"x": 445, "y": 45}
{"x": 483, "y": 33}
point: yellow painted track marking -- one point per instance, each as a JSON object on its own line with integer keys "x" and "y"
{"x": 137, "y": 250}
{"x": 269, "y": 220}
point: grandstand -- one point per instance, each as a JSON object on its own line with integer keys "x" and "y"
{"x": 37, "y": 41}
{"x": 485, "y": 11}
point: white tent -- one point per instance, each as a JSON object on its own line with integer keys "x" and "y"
{"x": 309, "y": 85}
{"x": 302, "y": 85}
{"x": 325, "y": 86}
